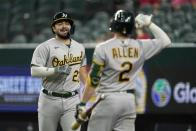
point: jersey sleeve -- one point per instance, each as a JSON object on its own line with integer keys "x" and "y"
{"x": 40, "y": 56}
{"x": 150, "y": 47}
{"x": 98, "y": 55}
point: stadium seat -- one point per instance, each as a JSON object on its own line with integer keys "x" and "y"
{"x": 41, "y": 23}
{"x": 80, "y": 37}
{"x": 102, "y": 19}
{"x": 175, "y": 24}
{"x": 78, "y": 24}
{"x": 4, "y": 19}
{"x": 186, "y": 8}
{"x": 83, "y": 34}
{"x": 46, "y": 11}
{"x": 185, "y": 30}
{"x": 19, "y": 39}
{"x": 93, "y": 24}
{"x": 176, "y": 35}
{"x": 21, "y": 23}
{"x": 192, "y": 20}
{"x": 21, "y": 17}
{"x": 177, "y": 15}
{"x": 166, "y": 8}
{"x": 15, "y": 29}
{"x": 172, "y": 37}
{"x": 193, "y": 25}
{"x": 44, "y": 14}
{"x": 52, "y": 4}
{"x": 190, "y": 37}
{"x": 23, "y": 6}
{"x": 4, "y": 29}
{"x": 47, "y": 32}
{"x": 166, "y": 28}
{"x": 102, "y": 16}
{"x": 159, "y": 18}
{"x": 4, "y": 11}
{"x": 76, "y": 8}
{"x": 147, "y": 9}
{"x": 38, "y": 38}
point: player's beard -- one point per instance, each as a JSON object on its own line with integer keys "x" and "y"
{"x": 62, "y": 35}
{"x": 67, "y": 36}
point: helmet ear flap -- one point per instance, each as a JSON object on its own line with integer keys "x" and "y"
{"x": 111, "y": 26}
{"x": 72, "y": 30}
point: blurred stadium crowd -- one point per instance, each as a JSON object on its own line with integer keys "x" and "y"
{"x": 28, "y": 21}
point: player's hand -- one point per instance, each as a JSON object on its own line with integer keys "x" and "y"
{"x": 142, "y": 20}
{"x": 80, "y": 113}
{"x": 65, "y": 69}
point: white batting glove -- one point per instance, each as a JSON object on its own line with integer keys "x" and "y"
{"x": 65, "y": 69}
{"x": 142, "y": 20}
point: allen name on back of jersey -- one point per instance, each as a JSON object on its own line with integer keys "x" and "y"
{"x": 125, "y": 52}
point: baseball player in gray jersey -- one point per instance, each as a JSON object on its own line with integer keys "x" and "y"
{"x": 116, "y": 63}
{"x": 60, "y": 62}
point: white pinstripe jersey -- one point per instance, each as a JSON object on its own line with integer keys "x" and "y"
{"x": 53, "y": 53}
{"x": 122, "y": 61}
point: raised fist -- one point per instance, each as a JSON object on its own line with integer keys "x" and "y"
{"x": 142, "y": 20}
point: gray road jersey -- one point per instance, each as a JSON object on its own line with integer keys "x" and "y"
{"x": 53, "y": 53}
{"x": 122, "y": 61}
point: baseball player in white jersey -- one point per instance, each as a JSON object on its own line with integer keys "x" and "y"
{"x": 116, "y": 63}
{"x": 60, "y": 62}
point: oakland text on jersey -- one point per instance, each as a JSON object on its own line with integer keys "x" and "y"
{"x": 125, "y": 52}
{"x": 68, "y": 59}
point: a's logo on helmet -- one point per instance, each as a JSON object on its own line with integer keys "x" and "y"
{"x": 128, "y": 19}
{"x": 64, "y": 15}
{"x": 161, "y": 92}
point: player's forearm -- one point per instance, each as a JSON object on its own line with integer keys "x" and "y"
{"x": 83, "y": 74}
{"x": 92, "y": 81}
{"x": 42, "y": 71}
{"x": 160, "y": 34}
{"x": 89, "y": 91}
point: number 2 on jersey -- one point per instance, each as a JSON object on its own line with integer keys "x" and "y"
{"x": 75, "y": 76}
{"x": 127, "y": 66}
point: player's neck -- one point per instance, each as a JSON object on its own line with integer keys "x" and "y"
{"x": 120, "y": 36}
{"x": 65, "y": 41}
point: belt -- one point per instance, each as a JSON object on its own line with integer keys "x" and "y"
{"x": 131, "y": 91}
{"x": 66, "y": 94}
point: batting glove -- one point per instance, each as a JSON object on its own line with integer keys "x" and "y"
{"x": 80, "y": 112}
{"x": 142, "y": 20}
{"x": 65, "y": 69}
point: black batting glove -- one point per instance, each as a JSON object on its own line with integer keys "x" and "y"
{"x": 80, "y": 112}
